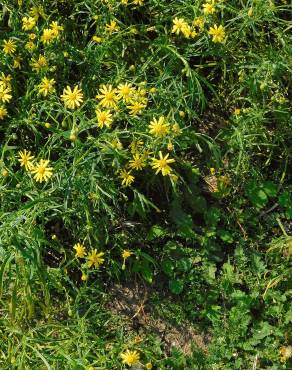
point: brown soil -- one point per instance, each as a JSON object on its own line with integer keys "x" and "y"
{"x": 132, "y": 301}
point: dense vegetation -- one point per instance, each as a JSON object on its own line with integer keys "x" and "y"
{"x": 145, "y": 205}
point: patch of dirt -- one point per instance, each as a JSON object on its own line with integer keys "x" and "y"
{"x": 133, "y": 302}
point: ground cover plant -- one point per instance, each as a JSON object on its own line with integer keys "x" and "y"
{"x": 145, "y": 203}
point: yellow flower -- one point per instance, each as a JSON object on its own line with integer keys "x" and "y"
{"x": 176, "y": 130}
{"x": 5, "y": 79}
{"x": 179, "y": 24}
{"x": 125, "y": 91}
{"x": 187, "y": 31}
{"x": 104, "y": 118}
{"x": 126, "y": 177}
{"x": 46, "y": 86}
{"x": 84, "y": 277}
{"x": 107, "y": 96}
{"x": 218, "y": 33}
{"x": 116, "y": 144}
{"x": 32, "y": 36}
{"x": 3, "y": 113}
{"x": 16, "y": 62}
{"x": 138, "y": 2}
{"x": 80, "y": 250}
{"x": 25, "y": 159}
{"x": 126, "y": 253}
{"x": 30, "y": 45}
{"x": 28, "y": 23}
{"x": 72, "y": 98}
{"x": 209, "y": 8}
{"x": 148, "y": 366}
{"x": 212, "y": 171}
{"x": 112, "y": 27}
{"x": 9, "y": 46}
{"x": 136, "y": 108}
{"x": 137, "y": 163}
{"x": 285, "y": 353}
{"x": 47, "y": 36}
{"x": 39, "y": 64}
{"x": 42, "y": 171}
{"x": 4, "y": 93}
{"x": 95, "y": 259}
{"x": 96, "y": 39}
{"x": 159, "y": 128}
{"x": 56, "y": 28}
{"x": 169, "y": 146}
{"x": 4, "y": 172}
{"x": 237, "y": 111}
{"x": 199, "y": 22}
{"x": 130, "y": 357}
{"x": 162, "y": 164}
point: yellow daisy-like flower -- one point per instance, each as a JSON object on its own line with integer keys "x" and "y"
{"x": 125, "y": 91}
{"x": 56, "y": 28}
{"x": 25, "y": 159}
{"x": 107, "y": 96}
{"x": 104, "y": 118}
{"x": 80, "y": 250}
{"x": 218, "y": 33}
{"x": 95, "y": 259}
{"x": 159, "y": 128}
{"x": 112, "y": 27}
{"x": 179, "y": 24}
{"x": 72, "y": 98}
{"x": 46, "y": 86}
{"x": 28, "y": 23}
{"x": 3, "y": 113}
{"x": 137, "y": 163}
{"x": 162, "y": 164}
{"x": 127, "y": 178}
{"x": 9, "y": 46}
{"x": 30, "y": 46}
{"x": 47, "y": 36}
{"x": 136, "y": 108}
{"x": 16, "y": 62}
{"x": 5, "y": 79}
{"x": 41, "y": 170}
{"x": 5, "y": 95}
{"x": 39, "y": 64}
{"x": 148, "y": 366}
{"x": 130, "y": 357}
{"x": 199, "y": 22}
{"x": 97, "y": 39}
{"x": 126, "y": 253}
{"x": 209, "y": 8}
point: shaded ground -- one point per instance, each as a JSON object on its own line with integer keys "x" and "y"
{"x": 133, "y": 302}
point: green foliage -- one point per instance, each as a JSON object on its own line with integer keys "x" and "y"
{"x": 182, "y": 187}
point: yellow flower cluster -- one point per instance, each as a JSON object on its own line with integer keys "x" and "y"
{"x": 5, "y": 94}
{"x": 181, "y": 26}
{"x": 41, "y": 170}
{"x": 52, "y": 33}
{"x": 93, "y": 258}
{"x": 134, "y": 99}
